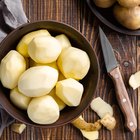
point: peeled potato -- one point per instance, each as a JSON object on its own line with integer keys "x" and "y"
{"x": 74, "y": 63}
{"x": 128, "y": 17}
{"x": 11, "y": 67}
{"x": 63, "y": 40}
{"x": 44, "y": 49}
{"x": 101, "y": 107}
{"x": 104, "y": 3}
{"x": 60, "y": 103}
{"x": 37, "y": 81}
{"x": 19, "y": 99}
{"x": 129, "y": 3}
{"x": 43, "y": 110}
{"x": 24, "y": 42}
{"x": 53, "y": 64}
{"x": 134, "y": 80}
{"x": 69, "y": 91}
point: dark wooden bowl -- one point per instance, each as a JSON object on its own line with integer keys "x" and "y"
{"x": 90, "y": 82}
{"x": 105, "y": 15}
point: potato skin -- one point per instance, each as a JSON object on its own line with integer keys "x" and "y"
{"x": 104, "y": 3}
{"x": 129, "y": 3}
{"x": 128, "y": 17}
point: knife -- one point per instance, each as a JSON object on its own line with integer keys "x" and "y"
{"x": 114, "y": 72}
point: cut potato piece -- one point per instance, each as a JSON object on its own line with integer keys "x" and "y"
{"x": 101, "y": 107}
{"x": 69, "y": 91}
{"x": 11, "y": 67}
{"x": 37, "y": 81}
{"x": 90, "y": 135}
{"x": 44, "y": 49}
{"x": 60, "y": 103}
{"x": 134, "y": 80}
{"x": 18, "y": 128}
{"x": 63, "y": 40}
{"x": 43, "y": 110}
{"x": 19, "y": 99}
{"x": 74, "y": 63}
{"x": 53, "y": 64}
{"x": 22, "y": 46}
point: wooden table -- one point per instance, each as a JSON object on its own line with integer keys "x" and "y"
{"x": 127, "y": 49}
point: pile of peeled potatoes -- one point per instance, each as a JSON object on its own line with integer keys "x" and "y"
{"x": 126, "y": 12}
{"x": 43, "y": 75}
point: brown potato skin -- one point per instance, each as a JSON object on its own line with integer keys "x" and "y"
{"x": 129, "y": 3}
{"x": 104, "y": 3}
{"x": 128, "y": 17}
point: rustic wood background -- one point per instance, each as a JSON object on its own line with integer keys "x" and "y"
{"x": 127, "y": 49}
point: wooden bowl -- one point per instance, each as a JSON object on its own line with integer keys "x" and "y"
{"x": 90, "y": 82}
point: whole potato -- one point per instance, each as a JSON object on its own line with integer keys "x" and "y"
{"x": 37, "y": 81}
{"x": 129, "y": 3}
{"x": 19, "y": 99}
{"x": 128, "y": 17}
{"x": 43, "y": 110}
{"x": 74, "y": 63}
{"x": 11, "y": 67}
{"x": 104, "y": 3}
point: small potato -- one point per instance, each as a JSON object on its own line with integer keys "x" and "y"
{"x": 37, "y": 81}
{"x": 73, "y": 63}
{"x": 43, "y": 110}
{"x": 69, "y": 91}
{"x": 60, "y": 103}
{"x": 24, "y": 42}
{"x": 44, "y": 49}
{"x": 129, "y": 3}
{"x": 104, "y": 3}
{"x": 128, "y": 17}
{"x": 63, "y": 40}
{"x": 19, "y": 99}
{"x": 11, "y": 67}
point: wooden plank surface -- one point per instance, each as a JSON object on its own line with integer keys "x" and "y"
{"x": 127, "y": 49}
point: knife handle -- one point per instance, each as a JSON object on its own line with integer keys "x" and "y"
{"x": 123, "y": 100}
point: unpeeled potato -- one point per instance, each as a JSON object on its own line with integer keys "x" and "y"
{"x": 128, "y": 17}
{"x": 104, "y": 3}
{"x": 129, "y": 3}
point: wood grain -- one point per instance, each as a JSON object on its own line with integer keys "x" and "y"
{"x": 127, "y": 50}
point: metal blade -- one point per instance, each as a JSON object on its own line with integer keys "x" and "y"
{"x": 109, "y": 57}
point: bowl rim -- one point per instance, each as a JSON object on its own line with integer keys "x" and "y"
{"x": 98, "y": 69}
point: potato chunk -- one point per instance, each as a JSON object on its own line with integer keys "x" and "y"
{"x": 74, "y": 63}
{"x": 43, "y": 110}
{"x": 134, "y": 80}
{"x": 18, "y": 128}
{"x": 37, "y": 81}
{"x": 101, "y": 107}
{"x": 22, "y": 46}
{"x": 69, "y": 91}
{"x": 44, "y": 49}
{"x": 11, "y": 67}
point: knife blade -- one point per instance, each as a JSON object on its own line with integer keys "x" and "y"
{"x": 113, "y": 70}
